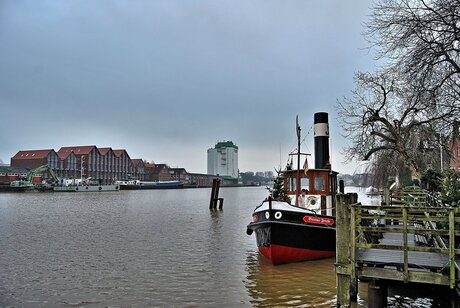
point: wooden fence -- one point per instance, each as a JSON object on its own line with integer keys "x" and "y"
{"x": 423, "y": 232}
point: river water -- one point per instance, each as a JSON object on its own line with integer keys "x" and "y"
{"x": 148, "y": 248}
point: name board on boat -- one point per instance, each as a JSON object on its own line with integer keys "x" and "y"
{"x": 318, "y": 220}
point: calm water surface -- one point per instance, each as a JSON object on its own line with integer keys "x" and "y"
{"x": 146, "y": 248}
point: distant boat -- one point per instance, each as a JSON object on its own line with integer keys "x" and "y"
{"x": 86, "y": 188}
{"x": 136, "y": 184}
{"x": 21, "y": 186}
{"x": 83, "y": 184}
{"x": 372, "y": 191}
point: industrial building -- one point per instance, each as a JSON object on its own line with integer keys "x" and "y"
{"x": 223, "y": 160}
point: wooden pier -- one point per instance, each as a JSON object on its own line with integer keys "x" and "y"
{"x": 410, "y": 238}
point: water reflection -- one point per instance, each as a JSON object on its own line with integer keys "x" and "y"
{"x": 304, "y": 284}
{"x": 312, "y": 284}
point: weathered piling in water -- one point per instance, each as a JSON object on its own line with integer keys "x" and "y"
{"x": 215, "y": 195}
{"x": 343, "y": 266}
{"x": 341, "y": 187}
{"x": 377, "y": 293}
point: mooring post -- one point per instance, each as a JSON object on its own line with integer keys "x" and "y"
{"x": 341, "y": 187}
{"x": 215, "y": 195}
{"x": 353, "y": 278}
{"x": 377, "y": 293}
{"x": 343, "y": 265}
{"x": 221, "y": 203}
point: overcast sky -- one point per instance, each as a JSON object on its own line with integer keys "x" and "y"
{"x": 166, "y": 80}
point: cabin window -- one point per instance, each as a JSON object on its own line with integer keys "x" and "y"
{"x": 292, "y": 184}
{"x": 305, "y": 183}
{"x": 319, "y": 183}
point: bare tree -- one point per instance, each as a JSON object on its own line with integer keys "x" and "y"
{"x": 420, "y": 38}
{"x": 386, "y": 115}
{"x": 408, "y": 106}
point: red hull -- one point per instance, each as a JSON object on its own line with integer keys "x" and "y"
{"x": 279, "y": 254}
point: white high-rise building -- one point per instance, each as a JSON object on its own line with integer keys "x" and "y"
{"x": 223, "y": 160}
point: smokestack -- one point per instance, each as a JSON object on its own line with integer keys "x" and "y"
{"x": 322, "y": 141}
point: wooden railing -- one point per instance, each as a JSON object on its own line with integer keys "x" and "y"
{"x": 413, "y": 196}
{"x": 404, "y": 218}
{"x": 360, "y": 228}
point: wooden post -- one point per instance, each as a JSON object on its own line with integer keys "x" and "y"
{"x": 354, "y": 197}
{"x": 343, "y": 265}
{"x": 377, "y": 294}
{"x": 341, "y": 187}
{"x": 387, "y": 193}
{"x": 221, "y": 203}
{"x": 215, "y": 195}
{"x": 452, "y": 247}
{"x": 353, "y": 278}
{"x": 406, "y": 252}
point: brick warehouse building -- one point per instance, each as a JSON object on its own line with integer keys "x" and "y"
{"x": 104, "y": 164}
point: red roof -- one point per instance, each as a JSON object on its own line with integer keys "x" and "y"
{"x": 137, "y": 162}
{"x": 118, "y": 153}
{"x": 32, "y": 154}
{"x": 77, "y": 150}
{"x": 64, "y": 155}
{"x": 149, "y": 166}
{"x": 159, "y": 167}
{"x": 64, "y": 152}
{"x": 104, "y": 151}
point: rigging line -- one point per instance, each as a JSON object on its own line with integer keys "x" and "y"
{"x": 308, "y": 133}
{"x": 294, "y": 147}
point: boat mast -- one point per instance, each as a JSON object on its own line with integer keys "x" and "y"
{"x": 297, "y": 191}
{"x": 82, "y": 159}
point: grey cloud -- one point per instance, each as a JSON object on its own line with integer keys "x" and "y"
{"x": 174, "y": 73}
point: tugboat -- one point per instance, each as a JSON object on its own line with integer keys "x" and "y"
{"x": 300, "y": 225}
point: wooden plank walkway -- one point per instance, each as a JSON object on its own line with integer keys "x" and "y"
{"x": 416, "y": 259}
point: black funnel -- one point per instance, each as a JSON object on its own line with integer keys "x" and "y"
{"x": 322, "y": 141}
